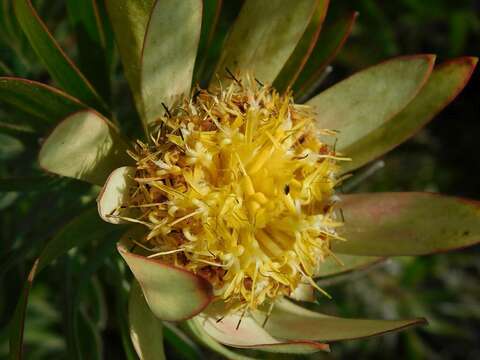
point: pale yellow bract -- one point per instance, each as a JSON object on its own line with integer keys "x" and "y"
{"x": 237, "y": 187}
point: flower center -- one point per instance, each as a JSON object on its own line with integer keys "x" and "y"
{"x": 237, "y": 186}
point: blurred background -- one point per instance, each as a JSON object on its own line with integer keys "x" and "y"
{"x": 443, "y": 157}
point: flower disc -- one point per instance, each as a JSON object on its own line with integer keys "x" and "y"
{"x": 237, "y": 186}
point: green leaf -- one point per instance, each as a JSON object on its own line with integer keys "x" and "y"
{"x": 362, "y": 103}
{"x": 331, "y": 40}
{"x": 397, "y": 224}
{"x": 85, "y": 18}
{"x": 331, "y": 267}
{"x": 85, "y": 228}
{"x": 169, "y": 54}
{"x": 84, "y": 146}
{"x": 42, "y": 101}
{"x": 115, "y": 193}
{"x": 158, "y": 54}
{"x": 445, "y": 83}
{"x": 211, "y": 14}
{"x": 179, "y": 343}
{"x": 146, "y": 331}
{"x": 60, "y": 67}
{"x": 172, "y": 293}
{"x": 297, "y": 60}
{"x": 129, "y": 21}
{"x": 10, "y": 147}
{"x": 195, "y": 327}
{"x": 291, "y": 322}
{"x": 250, "y": 334}
{"x": 264, "y": 37}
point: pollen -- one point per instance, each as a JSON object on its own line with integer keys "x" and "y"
{"x": 237, "y": 186}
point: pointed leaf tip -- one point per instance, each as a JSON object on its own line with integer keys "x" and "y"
{"x": 172, "y": 293}
{"x": 291, "y": 321}
{"x": 445, "y": 83}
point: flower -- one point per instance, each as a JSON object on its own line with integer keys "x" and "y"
{"x": 237, "y": 187}
{"x": 232, "y": 187}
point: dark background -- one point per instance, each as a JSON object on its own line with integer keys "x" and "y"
{"x": 443, "y": 157}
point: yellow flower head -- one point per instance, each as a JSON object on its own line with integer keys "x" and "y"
{"x": 238, "y": 187}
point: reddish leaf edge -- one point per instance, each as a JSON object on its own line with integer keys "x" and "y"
{"x": 65, "y": 56}
{"x": 352, "y": 18}
{"x": 471, "y": 61}
{"x": 313, "y": 42}
{"x": 66, "y": 118}
{"x": 46, "y": 87}
{"x": 471, "y": 202}
{"x": 204, "y": 285}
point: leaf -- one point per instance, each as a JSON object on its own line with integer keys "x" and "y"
{"x": 397, "y": 224}
{"x": 172, "y": 293}
{"x": 87, "y": 227}
{"x": 169, "y": 54}
{"x": 60, "y": 67}
{"x": 445, "y": 83}
{"x": 85, "y": 18}
{"x": 290, "y": 321}
{"x": 362, "y": 103}
{"x": 211, "y": 14}
{"x": 331, "y": 40}
{"x": 146, "y": 331}
{"x": 42, "y": 101}
{"x": 250, "y": 334}
{"x": 84, "y": 146}
{"x": 157, "y": 53}
{"x": 297, "y": 60}
{"x": 10, "y": 147}
{"x": 330, "y": 267}
{"x": 196, "y": 329}
{"x": 129, "y": 21}
{"x": 180, "y": 344}
{"x": 115, "y": 193}
{"x": 264, "y": 36}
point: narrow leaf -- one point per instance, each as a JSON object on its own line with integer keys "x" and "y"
{"x": 251, "y": 335}
{"x": 42, "y": 101}
{"x": 290, "y": 321}
{"x": 85, "y": 19}
{"x": 397, "y": 224}
{"x": 331, "y": 40}
{"x": 364, "y": 102}
{"x": 146, "y": 331}
{"x": 87, "y": 227}
{"x": 211, "y": 14}
{"x": 297, "y": 60}
{"x": 443, "y": 86}
{"x": 60, "y": 67}
{"x": 264, "y": 36}
{"x": 84, "y": 146}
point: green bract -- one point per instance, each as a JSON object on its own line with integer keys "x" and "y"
{"x": 283, "y": 43}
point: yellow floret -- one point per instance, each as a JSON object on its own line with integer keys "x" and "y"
{"x": 236, "y": 186}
